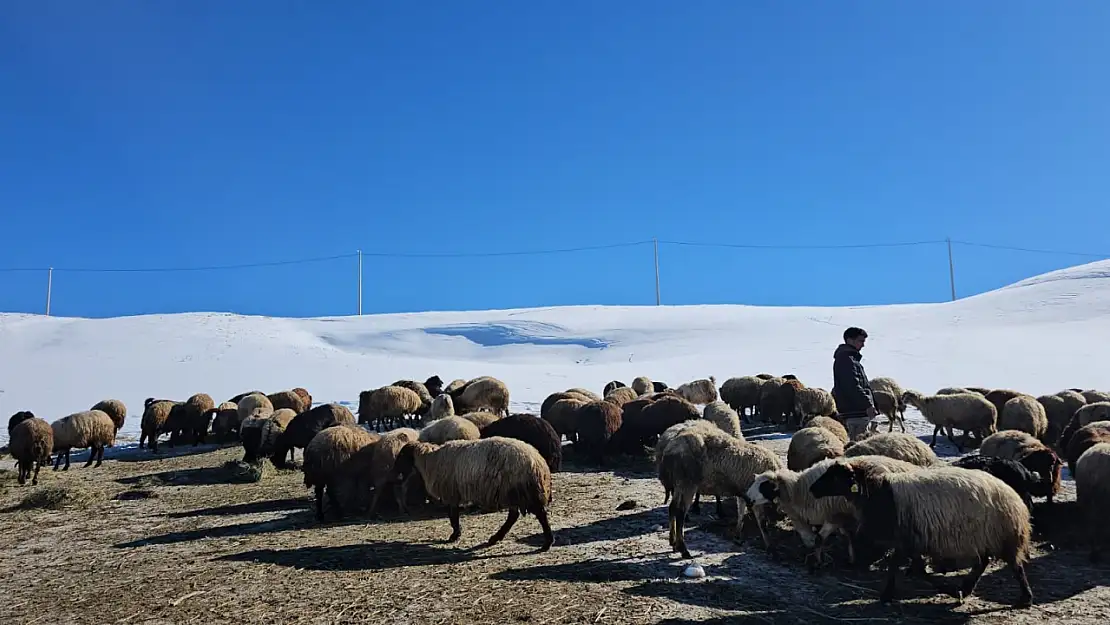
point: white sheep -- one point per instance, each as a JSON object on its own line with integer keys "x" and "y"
{"x": 702, "y": 391}
{"x": 896, "y": 445}
{"x": 1092, "y": 486}
{"x": 811, "y": 445}
{"x": 721, "y": 415}
{"x": 970, "y": 412}
{"x": 1026, "y": 414}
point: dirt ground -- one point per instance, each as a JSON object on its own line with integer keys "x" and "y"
{"x": 183, "y": 539}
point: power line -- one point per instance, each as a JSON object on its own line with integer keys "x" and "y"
{"x": 564, "y": 250}
{"x": 756, "y": 246}
{"x": 276, "y": 263}
{"x": 1028, "y": 249}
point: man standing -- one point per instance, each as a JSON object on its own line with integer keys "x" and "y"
{"x": 851, "y": 390}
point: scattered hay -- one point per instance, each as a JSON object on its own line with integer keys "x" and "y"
{"x": 136, "y": 494}
{"x": 242, "y": 472}
{"x": 57, "y": 497}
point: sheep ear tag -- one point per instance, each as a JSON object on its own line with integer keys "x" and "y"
{"x": 854, "y": 488}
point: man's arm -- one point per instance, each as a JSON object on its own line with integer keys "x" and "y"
{"x": 845, "y": 381}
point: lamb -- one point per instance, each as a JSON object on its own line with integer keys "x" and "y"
{"x": 704, "y": 461}
{"x": 563, "y": 416}
{"x": 643, "y": 385}
{"x": 596, "y": 421}
{"x": 699, "y": 391}
{"x": 889, "y": 406}
{"x": 449, "y": 429}
{"x": 896, "y": 445}
{"x": 378, "y": 461}
{"x": 226, "y": 419}
{"x": 742, "y": 394}
{"x": 790, "y": 490}
{"x": 947, "y": 513}
{"x": 91, "y": 428}
{"x": 483, "y": 393}
{"x": 286, "y": 399}
{"x": 481, "y": 418}
{"x": 388, "y": 404}
{"x": 30, "y": 442}
{"x": 1024, "y": 482}
{"x": 156, "y": 418}
{"x": 532, "y": 430}
{"x": 434, "y": 385}
{"x": 830, "y": 424}
{"x": 1024, "y": 413}
{"x": 592, "y": 396}
{"x": 306, "y": 398}
{"x": 1092, "y": 486}
{"x": 612, "y": 386}
{"x": 721, "y": 415}
{"x": 813, "y": 402}
{"x": 621, "y": 396}
{"x": 1086, "y": 437}
{"x": 421, "y": 391}
{"x": 326, "y": 457}
{"x": 442, "y": 406}
{"x": 113, "y": 408}
{"x": 1000, "y": 396}
{"x": 494, "y": 473}
{"x": 1031, "y": 453}
{"x": 967, "y": 411}
{"x": 811, "y": 445}
{"x": 306, "y": 425}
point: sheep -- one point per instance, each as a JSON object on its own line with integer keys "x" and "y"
{"x": 196, "y": 415}
{"x": 156, "y": 417}
{"x": 888, "y": 405}
{"x": 532, "y": 430}
{"x": 301, "y": 429}
{"x": 483, "y": 393}
{"x": 742, "y": 394}
{"x": 260, "y": 434}
{"x": 1088, "y": 413}
{"x": 454, "y": 385}
{"x": 115, "y": 409}
{"x": 1084, "y": 438}
{"x": 238, "y": 398}
{"x": 30, "y": 442}
{"x": 1022, "y": 480}
{"x": 421, "y": 391}
{"x": 612, "y": 386}
{"x": 597, "y": 421}
{"x": 896, "y": 445}
{"x": 947, "y": 513}
{"x": 18, "y": 418}
{"x": 709, "y": 461}
{"x": 812, "y": 402}
{"x": 442, "y": 406}
{"x": 1024, "y": 413}
{"x": 1092, "y": 486}
{"x": 1031, "y": 453}
{"x": 255, "y": 401}
{"x": 563, "y": 416}
{"x": 1073, "y": 400}
{"x": 890, "y": 385}
{"x": 621, "y": 396}
{"x": 550, "y": 400}
{"x": 830, "y": 424}
{"x": 790, "y": 491}
{"x": 226, "y": 419}
{"x": 665, "y": 438}
{"x": 765, "y": 376}
{"x": 449, "y": 429}
{"x": 379, "y": 460}
{"x": 811, "y": 445}
{"x": 325, "y": 458}
{"x": 1057, "y": 414}
{"x": 643, "y": 385}
{"x": 653, "y": 419}
{"x": 1000, "y": 396}
{"x": 1095, "y": 397}
{"x": 434, "y": 385}
{"x": 585, "y": 393}
{"x": 627, "y": 440}
{"x": 967, "y": 411}
{"x": 788, "y": 392}
{"x": 951, "y": 390}
{"x": 721, "y": 415}
{"x": 286, "y": 399}
{"x": 481, "y": 418}
{"x": 978, "y": 390}
{"x": 494, "y": 473}
{"x": 306, "y": 398}
{"x": 699, "y": 391}
{"x": 91, "y": 428}
{"x": 770, "y": 405}
{"x": 659, "y": 387}
{"x": 388, "y": 404}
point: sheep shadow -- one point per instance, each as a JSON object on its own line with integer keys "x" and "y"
{"x": 291, "y": 521}
{"x": 632, "y": 466}
{"x": 609, "y": 528}
{"x": 375, "y": 556}
{"x": 203, "y": 476}
{"x": 134, "y": 454}
{"x": 253, "y": 507}
{"x": 596, "y": 571}
{"x": 1056, "y": 576}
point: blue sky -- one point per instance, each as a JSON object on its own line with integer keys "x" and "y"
{"x": 201, "y": 133}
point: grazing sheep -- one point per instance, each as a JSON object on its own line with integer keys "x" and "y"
{"x": 226, "y": 419}
{"x": 1031, "y": 453}
{"x": 952, "y": 390}
{"x": 18, "y": 418}
{"x": 699, "y": 391}
{"x": 890, "y": 385}
{"x": 889, "y": 406}
{"x": 830, "y": 424}
{"x": 788, "y": 392}
{"x": 612, "y": 386}
{"x": 585, "y": 393}
{"x": 196, "y": 414}
{"x": 113, "y": 408}
{"x": 306, "y": 397}
{"x": 742, "y": 394}
{"x": 811, "y": 445}
{"x": 967, "y": 411}
{"x": 454, "y": 386}
{"x": 421, "y": 391}
{"x": 1057, "y": 413}
{"x": 1073, "y": 399}
{"x": 434, "y": 385}
{"x": 481, "y": 418}
{"x": 1024, "y": 482}
{"x": 947, "y": 513}
{"x": 621, "y": 396}
{"x": 449, "y": 429}
{"x": 659, "y": 387}
{"x": 286, "y": 399}
{"x": 388, "y": 404}
{"x": 156, "y": 418}
{"x": 1024, "y": 413}
{"x": 259, "y": 434}
{"x": 597, "y": 421}
{"x": 252, "y": 403}
{"x": 1088, "y": 413}
{"x": 643, "y": 385}
{"x": 665, "y": 438}
{"x": 1000, "y": 396}
{"x": 532, "y": 430}
{"x": 1084, "y": 438}
{"x": 813, "y": 402}
{"x": 1095, "y": 397}
{"x": 554, "y": 397}
{"x": 770, "y": 401}
{"x": 301, "y": 429}
{"x": 30, "y": 442}
{"x": 895, "y": 445}
{"x": 442, "y": 406}
{"x": 709, "y": 461}
{"x": 790, "y": 491}
{"x": 1092, "y": 486}
{"x": 325, "y": 458}
{"x": 626, "y": 440}
{"x": 238, "y": 398}
{"x": 92, "y": 428}
{"x": 721, "y": 415}
{"x": 485, "y": 393}
{"x": 563, "y": 416}
{"x": 493, "y": 473}
{"x": 378, "y": 464}
{"x": 653, "y": 419}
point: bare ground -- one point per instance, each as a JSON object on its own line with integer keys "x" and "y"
{"x": 183, "y": 538}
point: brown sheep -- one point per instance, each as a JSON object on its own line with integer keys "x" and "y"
{"x": 30, "y": 442}
{"x": 93, "y": 429}
{"x": 326, "y": 462}
{"x": 999, "y": 397}
{"x": 195, "y": 417}
{"x": 115, "y": 409}
{"x": 486, "y": 393}
{"x": 422, "y": 391}
{"x": 621, "y": 396}
{"x": 563, "y": 416}
{"x": 306, "y": 398}
{"x": 156, "y": 417}
{"x": 596, "y": 423}
{"x": 388, "y": 404}
{"x": 287, "y": 399}
{"x": 1084, "y": 438}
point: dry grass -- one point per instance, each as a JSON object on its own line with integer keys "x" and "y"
{"x": 201, "y": 539}
{"x": 57, "y": 497}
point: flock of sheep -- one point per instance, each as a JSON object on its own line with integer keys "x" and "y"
{"x": 459, "y": 446}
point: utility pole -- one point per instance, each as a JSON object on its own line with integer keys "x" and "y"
{"x": 951, "y": 270}
{"x": 655, "y": 242}
{"x": 359, "y": 283}
{"x": 49, "y": 287}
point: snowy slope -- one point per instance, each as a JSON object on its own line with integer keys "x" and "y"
{"x": 1039, "y": 335}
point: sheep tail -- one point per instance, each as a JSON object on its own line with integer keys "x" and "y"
{"x": 684, "y": 460}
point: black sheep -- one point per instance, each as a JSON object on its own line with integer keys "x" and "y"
{"x": 532, "y": 430}
{"x": 1024, "y": 482}
{"x": 304, "y": 426}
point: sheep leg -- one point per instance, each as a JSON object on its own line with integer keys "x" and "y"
{"x": 35, "y": 479}
{"x": 696, "y": 507}
{"x": 100, "y": 456}
{"x": 541, "y": 515}
{"x": 1026, "y": 598}
{"x": 456, "y": 529}
{"x": 66, "y": 467}
{"x": 720, "y": 508}
{"x": 972, "y": 580}
{"x": 22, "y": 479}
{"x": 936, "y": 430}
{"x": 514, "y": 515}
{"x": 58, "y": 460}
{"x": 320, "y": 503}
{"x": 333, "y": 501}
{"x": 892, "y": 564}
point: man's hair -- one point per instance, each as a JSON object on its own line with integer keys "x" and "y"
{"x": 854, "y": 333}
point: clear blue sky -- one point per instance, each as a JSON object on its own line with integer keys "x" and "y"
{"x": 187, "y": 134}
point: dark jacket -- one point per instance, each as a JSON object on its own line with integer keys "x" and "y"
{"x": 851, "y": 389}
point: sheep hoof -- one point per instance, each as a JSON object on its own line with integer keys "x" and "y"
{"x": 1026, "y": 601}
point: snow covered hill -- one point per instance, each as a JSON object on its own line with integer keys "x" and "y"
{"x": 1039, "y": 335}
